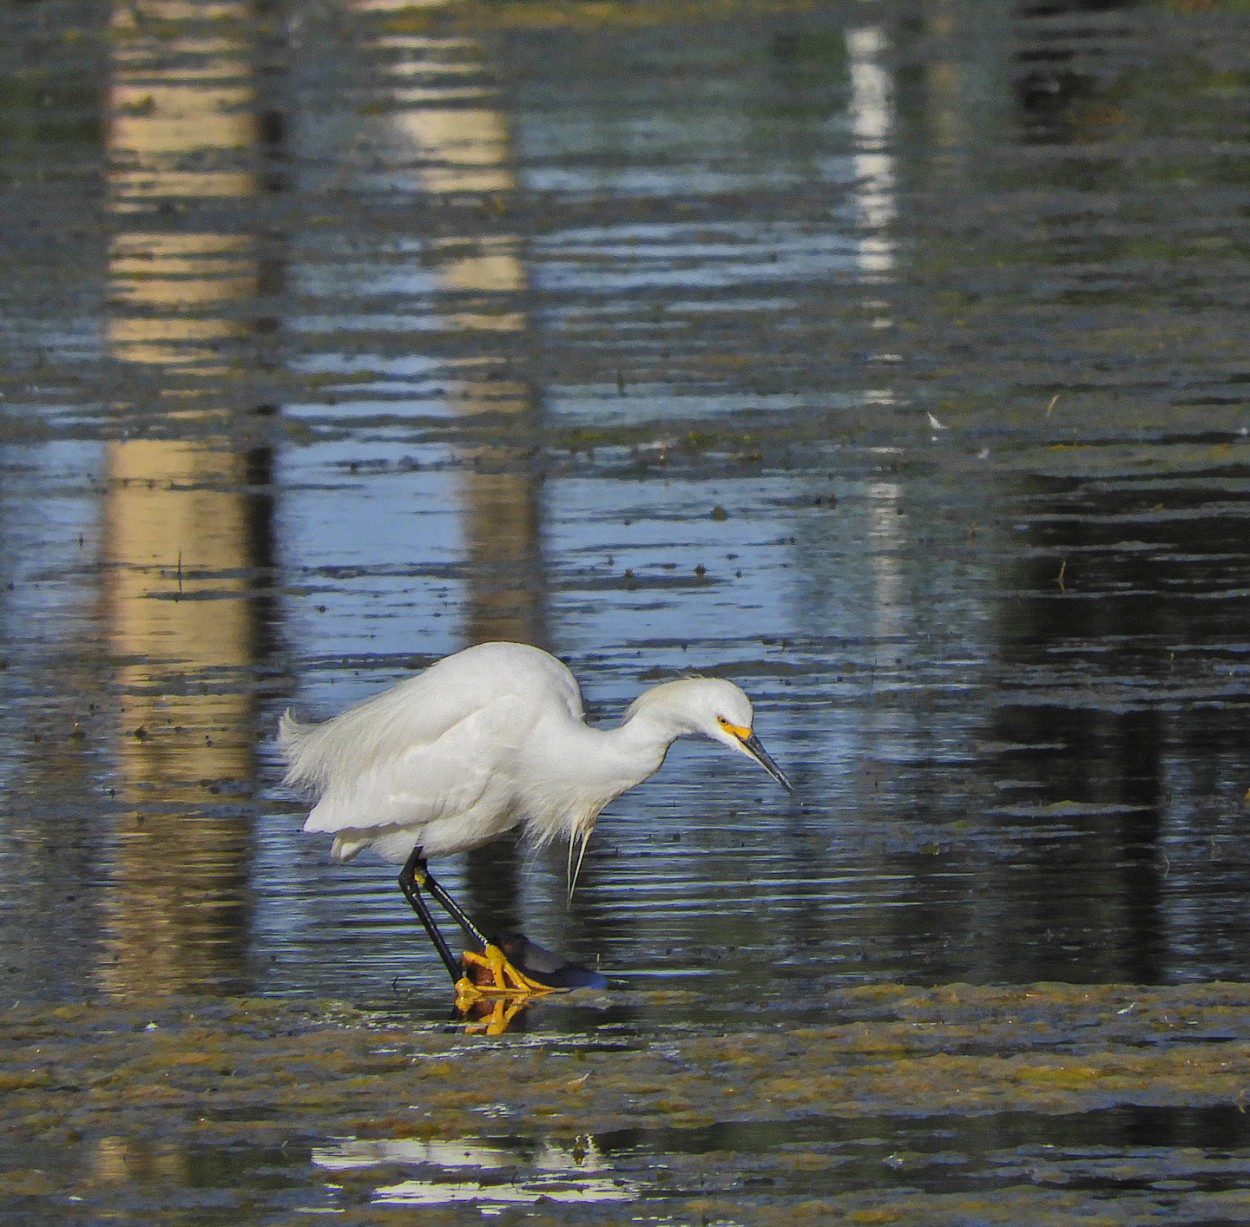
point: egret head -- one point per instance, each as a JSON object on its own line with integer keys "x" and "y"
{"x": 734, "y": 726}
{"x": 715, "y": 708}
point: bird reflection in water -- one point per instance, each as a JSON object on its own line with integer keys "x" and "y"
{"x": 488, "y": 1009}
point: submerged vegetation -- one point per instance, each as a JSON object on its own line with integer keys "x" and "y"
{"x": 180, "y": 1101}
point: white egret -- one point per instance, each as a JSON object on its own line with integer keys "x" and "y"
{"x": 485, "y": 740}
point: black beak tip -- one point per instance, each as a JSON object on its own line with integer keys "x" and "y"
{"x": 765, "y": 760}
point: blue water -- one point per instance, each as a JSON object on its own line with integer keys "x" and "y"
{"x": 883, "y": 370}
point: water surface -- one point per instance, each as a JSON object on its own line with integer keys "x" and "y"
{"x": 888, "y": 359}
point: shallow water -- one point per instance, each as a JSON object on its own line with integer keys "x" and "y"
{"x": 889, "y": 359}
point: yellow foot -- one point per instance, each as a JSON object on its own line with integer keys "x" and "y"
{"x": 491, "y": 1016}
{"x": 490, "y": 974}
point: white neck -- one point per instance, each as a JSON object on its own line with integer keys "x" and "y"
{"x": 585, "y": 768}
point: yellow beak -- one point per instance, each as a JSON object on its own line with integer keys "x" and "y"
{"x": 751, "y": 744}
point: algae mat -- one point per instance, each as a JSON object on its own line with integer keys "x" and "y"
{"x": 955, "y": 1104}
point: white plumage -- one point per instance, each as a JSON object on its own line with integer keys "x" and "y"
{"x": 487, "y": 739}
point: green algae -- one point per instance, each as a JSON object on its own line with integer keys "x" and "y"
{"x": 1049, "y": 1048}
{"x": 267, "y": 1077}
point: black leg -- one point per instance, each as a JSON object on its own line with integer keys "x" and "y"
{"x": 527, "y": 962}
{"x": 455, "y": 911}
{"x": 412, "y": 877}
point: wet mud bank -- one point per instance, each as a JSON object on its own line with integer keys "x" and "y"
{"x": 906, "y": 1100}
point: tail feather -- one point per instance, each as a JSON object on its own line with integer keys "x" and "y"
{"x": 289, "y": 729}
{"x": 297, "y": 741}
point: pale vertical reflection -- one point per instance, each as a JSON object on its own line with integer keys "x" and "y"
{"x": 462, "y": 147}
{"x": 459, "y": 146}
{"x": 888, "y": 622}
{"x": 872, "y": 125}
{"x": 167, "y": 117}
{"x": 944, "y": 111}
{"x": 180, "y": 534}
{"x": 885, "y": 541}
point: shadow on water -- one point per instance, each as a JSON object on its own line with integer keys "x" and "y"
{"x": 888, "y": 360}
